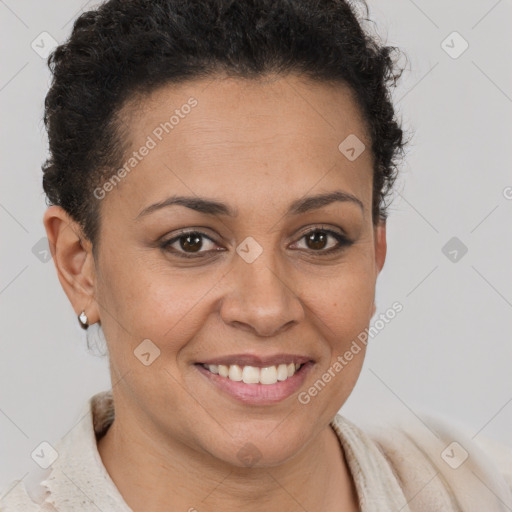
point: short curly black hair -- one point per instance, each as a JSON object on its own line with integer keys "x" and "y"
{"x": 128, "y": 47}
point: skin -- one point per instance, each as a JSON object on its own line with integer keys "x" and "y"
{"x": 256, "y": 146}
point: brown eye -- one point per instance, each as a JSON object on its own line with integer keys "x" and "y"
{"x": 189, "y": 244}
{"x": 317, "y": 240}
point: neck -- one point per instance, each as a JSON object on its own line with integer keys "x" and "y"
{"x": 156, "y": 475}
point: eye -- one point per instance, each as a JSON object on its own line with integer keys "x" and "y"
{"x": 316, "y": 240}
{"x": 189, "y": 244}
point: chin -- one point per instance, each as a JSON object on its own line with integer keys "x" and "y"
{"x": 260, "y": 447}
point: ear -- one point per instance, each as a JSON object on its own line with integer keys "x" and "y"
{"x": 380, "y": 245}
{"x": 380, "y": 249}
{"x": 73, "y": 259}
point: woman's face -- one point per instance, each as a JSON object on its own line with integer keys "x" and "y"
{"x": 258, "y": 288}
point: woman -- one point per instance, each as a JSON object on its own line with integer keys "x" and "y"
{"x": 217, "y": 187}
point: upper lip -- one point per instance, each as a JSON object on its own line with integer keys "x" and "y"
{"x": 257, "y": 361}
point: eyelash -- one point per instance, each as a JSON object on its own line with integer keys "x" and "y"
{"x": 343, "y": 242}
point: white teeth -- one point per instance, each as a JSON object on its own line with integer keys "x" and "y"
{"x": 268, "y": 375}
{"x": 251, "y": 375}
{"x": 235, "y": 372}
{"x": 282, "y": 372}
{"x": 254, "y": 374}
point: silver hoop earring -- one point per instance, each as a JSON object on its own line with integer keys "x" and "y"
{"x": 83, "y": 320}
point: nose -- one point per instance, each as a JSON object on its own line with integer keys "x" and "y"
{"x": 261, "y": 300}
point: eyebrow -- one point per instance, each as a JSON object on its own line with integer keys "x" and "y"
{"x": 212, "y": 207}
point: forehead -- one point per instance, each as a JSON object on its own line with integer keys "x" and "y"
{"x": 219, "y": 135}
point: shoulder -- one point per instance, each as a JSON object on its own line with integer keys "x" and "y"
{"x": 54, "y": 487}
{"x": 433, "y": 456}
{"x": 15, "y": 498}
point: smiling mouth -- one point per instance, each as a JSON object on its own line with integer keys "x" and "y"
{"x": 253, "y": 374}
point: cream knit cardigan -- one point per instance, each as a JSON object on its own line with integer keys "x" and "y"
{"x": 426, "y": 466}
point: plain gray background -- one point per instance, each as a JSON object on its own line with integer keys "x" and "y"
{"x": 449, "y": 350}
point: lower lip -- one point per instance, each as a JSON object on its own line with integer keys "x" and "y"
{"x": 262, "y": 394}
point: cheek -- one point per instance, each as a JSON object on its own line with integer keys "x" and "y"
{"x": 343, "y": 303}
{"x": 147, "y": 301}
{"x": 343, "y": 308}
{"x": 175, "y": 305}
